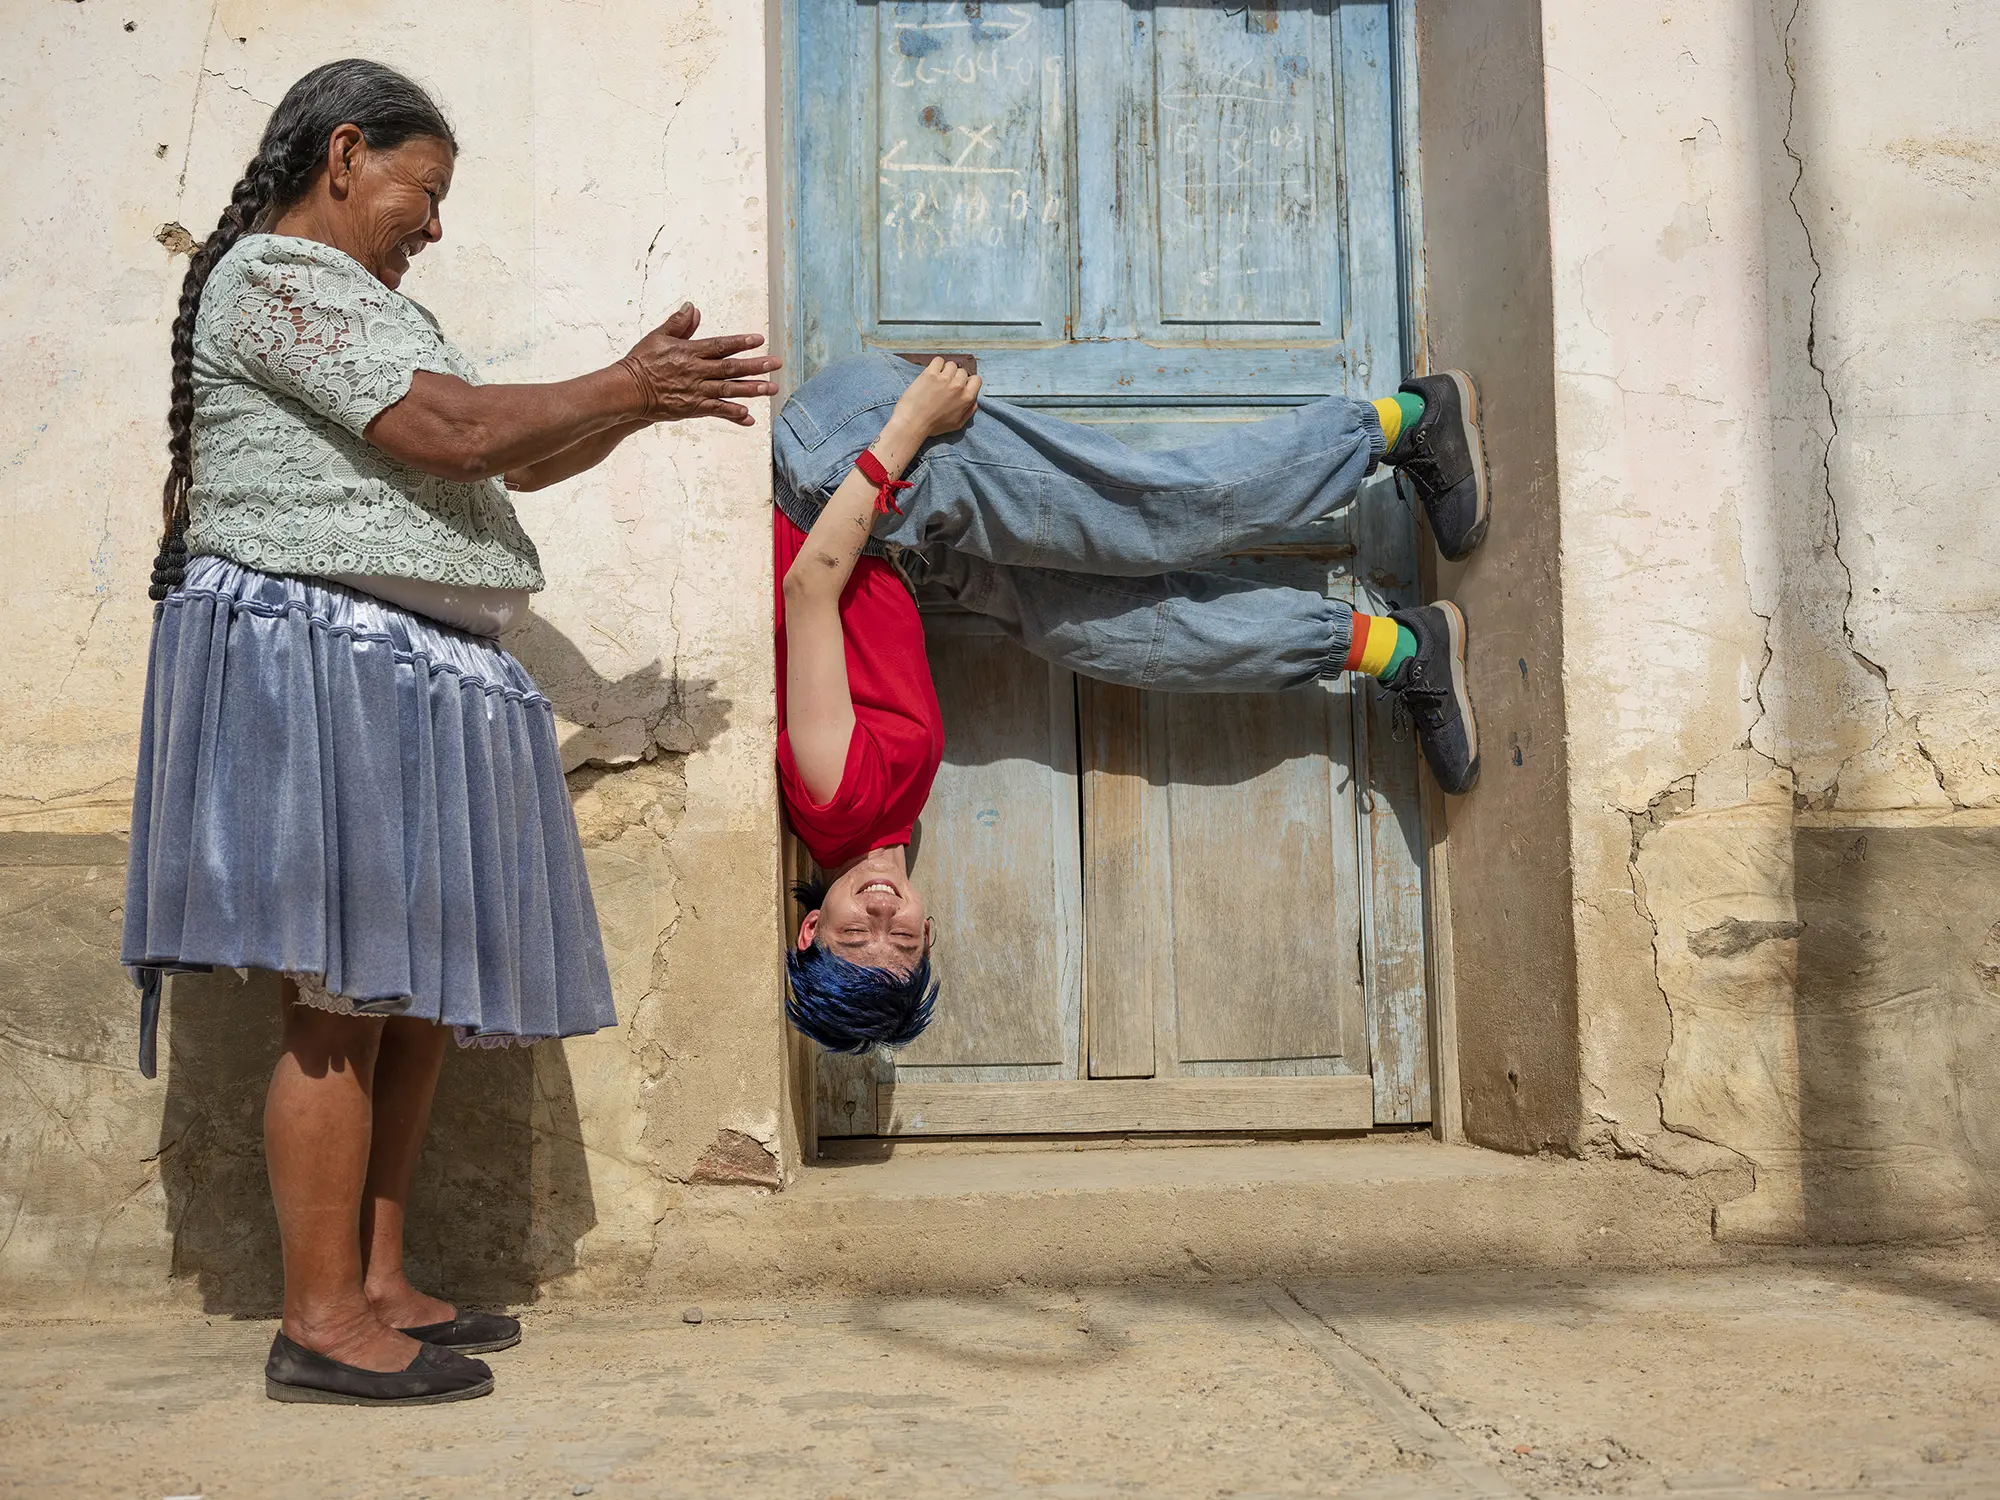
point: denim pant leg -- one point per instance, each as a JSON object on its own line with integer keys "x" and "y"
{"x": 1025, "y": 489}
{"x": 1173, "y": 632}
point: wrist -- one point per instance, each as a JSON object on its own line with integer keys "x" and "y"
{"x": 901, "y": 436}
{"x": 634, "y": 395}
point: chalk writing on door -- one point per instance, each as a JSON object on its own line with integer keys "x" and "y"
{"x": 971, "y": 162}
{"x": 1238, "y": 203}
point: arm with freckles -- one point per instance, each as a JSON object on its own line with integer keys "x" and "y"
{"x": 819, "y": 708}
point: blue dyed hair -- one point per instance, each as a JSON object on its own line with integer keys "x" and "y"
{"x": 847, "y": 1007}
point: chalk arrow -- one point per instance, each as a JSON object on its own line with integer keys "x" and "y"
{"x": 1019, "y": 16}
{"x": 889, "y": 163}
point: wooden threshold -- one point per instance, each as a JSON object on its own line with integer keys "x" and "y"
{"x": 1343, "y": 1102}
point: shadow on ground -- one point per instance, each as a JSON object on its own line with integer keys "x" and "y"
{"x": 502, "y": 1192}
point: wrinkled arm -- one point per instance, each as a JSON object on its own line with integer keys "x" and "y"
{"x": 574, "y": 459}
{"x": 539, "y": 434}
{"x": 463, "y": 432}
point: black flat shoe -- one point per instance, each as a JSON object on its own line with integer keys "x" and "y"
{"x": 470, "y": 1333}
{"x": 295, "y": 1373}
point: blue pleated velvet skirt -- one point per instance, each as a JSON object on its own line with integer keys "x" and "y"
{"x": 330, "y": 785}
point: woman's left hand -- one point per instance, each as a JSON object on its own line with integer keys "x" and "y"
{"x": 679, "y": 376}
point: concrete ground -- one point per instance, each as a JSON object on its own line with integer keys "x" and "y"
{"x": 1873, "y": 1375}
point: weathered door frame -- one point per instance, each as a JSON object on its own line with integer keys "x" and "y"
{"x": 781, "y": 17}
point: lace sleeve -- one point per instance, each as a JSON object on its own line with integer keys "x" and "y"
{"x": 328, "y": 335}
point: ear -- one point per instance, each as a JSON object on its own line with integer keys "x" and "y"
{"x": 341, "y": 149}
{"x": 808, "y": 929}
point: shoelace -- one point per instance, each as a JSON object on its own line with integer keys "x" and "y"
{"x": 1420, "y": 449}
{"x": 1402, "y": 723}
{"x": 1418, "y": 709}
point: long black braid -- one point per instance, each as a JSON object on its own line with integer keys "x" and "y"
{"x": 389, "y": 109}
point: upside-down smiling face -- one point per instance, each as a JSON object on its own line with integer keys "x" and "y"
{"x": 872, "y": 916}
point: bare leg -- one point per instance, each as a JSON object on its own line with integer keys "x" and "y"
{"x": 317, "y": 1125}
{"x": 406, "y": 1075}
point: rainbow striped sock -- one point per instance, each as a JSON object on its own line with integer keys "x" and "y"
{"x": 1399, "y": 413}
{"x": 1378, "y": 646}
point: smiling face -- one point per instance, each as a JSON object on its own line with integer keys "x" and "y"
{"x": 396, "y": 198}
{"x": 871, "y": 916}
{"x": 381, "y": 206}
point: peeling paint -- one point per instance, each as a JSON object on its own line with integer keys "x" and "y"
{"x": 1733, "y": 935}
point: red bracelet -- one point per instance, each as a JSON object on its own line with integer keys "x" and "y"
{"x": 885, "y": 487}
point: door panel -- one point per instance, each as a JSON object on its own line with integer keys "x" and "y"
{"x": 1245, "y": 170}
{"x": 997, "y": 859}
{"x": 1154, "y": 217}
{"x": 971, "y": 154}
{"x": 1391, "y": 832}
{"x": 1261, "y": 843}
{"x": 1129, "y": 958}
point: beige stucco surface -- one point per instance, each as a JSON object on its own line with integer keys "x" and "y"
{"x": 1772, "y": 224}
{"x": 1735, "y": 913}
{"x": 614, "y": 164}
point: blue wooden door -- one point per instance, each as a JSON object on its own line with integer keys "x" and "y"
{"x": 1156, "y": 911}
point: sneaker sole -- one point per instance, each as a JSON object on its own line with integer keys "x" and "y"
{"x": 1455, "y": 628}
{"x": 1468, "y": 413}
{"x": 277, "y": 1390}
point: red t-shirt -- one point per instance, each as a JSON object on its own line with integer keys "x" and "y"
{"x": 898, "y": 739}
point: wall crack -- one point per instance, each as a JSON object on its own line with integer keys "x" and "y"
{"x": 201, "y": 76}
{"x": 1676, "y": 798}
{"x": 1875, "y": 669}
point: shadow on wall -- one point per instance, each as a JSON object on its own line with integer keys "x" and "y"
{"x": 502, "y": 1194}
{"x": 675, "y": 713}
{"x": 1898, "y": 1024}
{"x": 1895, "y": 1010}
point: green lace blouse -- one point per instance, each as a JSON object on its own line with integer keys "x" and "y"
{"x": 296, "y": 349}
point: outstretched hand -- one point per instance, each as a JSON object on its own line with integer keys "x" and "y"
{"x": 680, "y": 376}
{"x": 941, "y": 400}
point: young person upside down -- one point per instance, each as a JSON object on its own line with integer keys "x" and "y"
{"x": 1080, "y": 547}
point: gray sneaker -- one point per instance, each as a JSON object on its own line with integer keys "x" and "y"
{"x": 1446, "y": 461}
{"x": 1431, "y": 689}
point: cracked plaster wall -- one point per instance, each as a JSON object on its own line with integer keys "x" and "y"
{"x": 614, "y": 164}
{"x": 1773, "y": 223}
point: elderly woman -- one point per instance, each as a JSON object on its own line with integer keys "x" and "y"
{"x": 342, "y": 777}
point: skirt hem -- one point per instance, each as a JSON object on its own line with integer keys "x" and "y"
{"x": 329, "y": 784}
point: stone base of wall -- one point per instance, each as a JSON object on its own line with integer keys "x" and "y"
{"x": 546, "y": 1165}
{"x": 1834, "y": 990}
{"x": 1835, "y": 993}
{"x": 81, "y": 1196}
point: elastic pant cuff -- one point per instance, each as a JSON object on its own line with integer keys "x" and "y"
{"x": 1371, "y": 423}
{"x": 1378, "y": 442}
{"x": 1342, "y": 623}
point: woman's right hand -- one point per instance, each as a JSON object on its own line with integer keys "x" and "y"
{"x": 680, "y": 376}
{"x": 941, "y": 400}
